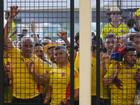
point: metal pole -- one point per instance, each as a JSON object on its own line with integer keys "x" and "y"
{"x": 98, "y": 51}
{"x": 1, "y": 54}
{"x": 85, "y": 52}
{"x": 72, "y": 52}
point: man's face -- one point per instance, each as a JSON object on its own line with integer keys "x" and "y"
{"x": 14, "y": 11}
{"x": 36, "y": 38}
{"x": 115, "y": 16}
{"x": 60, "y": 56}
{"x": 50, "y": 53}
{"x": 131, "y": 57}
{"x": 110, "y": 43}
{"x": 137, "y": 42}
{"x": 138, "y": 22}
{"x": 39, "y": 52}
{"x": 27, "y": 48}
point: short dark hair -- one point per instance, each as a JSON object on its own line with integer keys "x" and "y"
{"x": 110, "y": 35}
{"x": 76, "y": 36}
{"x": 33, "y": 35}
{"x": 38, "y": 44}
{"x": 60, "y": 47}
{"x": 130, "y": 46}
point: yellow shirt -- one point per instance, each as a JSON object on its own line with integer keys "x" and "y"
{"x": 76, "y": 63}
{"x": 103, "y": 89}
{"x": 127, "y": 94}
{"x": 93, "y": 76}
{"x": 23, "y": 83}
{"x": 118, "y": 31}
{"x": 138, "y": 61}
{"x": 59, "y": 79}
{"x": 7, "y": 90}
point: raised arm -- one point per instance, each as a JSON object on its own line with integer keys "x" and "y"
{"x": 12, "y": 13}
{"x": 63, "y": 36}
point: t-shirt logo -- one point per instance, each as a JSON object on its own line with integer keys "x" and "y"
{"x": 122, "y": 31}
{"x": 63, "y": 74}
{"x": 31, "y": 66}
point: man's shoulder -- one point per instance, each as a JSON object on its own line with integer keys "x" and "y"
{"x": 107, "y": 25}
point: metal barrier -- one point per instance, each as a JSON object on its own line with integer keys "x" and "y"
{"x": 38, "y": 62}
{"x": 118, "y": 67}
{"x": 38, "y": 58}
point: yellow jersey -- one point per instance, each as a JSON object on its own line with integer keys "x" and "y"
{"x": 24, "y": 85}
{"x": 7, "y": 90}
{"x": 118, "y": 31}
{"x": 124, "y": 96}
{"x": 93, "y": 76}
{"x": 103, "y": 89}
{"x": 76, "y": 62}
{"x": 59, "y": 79}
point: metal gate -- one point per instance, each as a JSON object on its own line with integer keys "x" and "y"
{"x": 117, "y": 36}
{"x": 40, "y": 54}
{"x": 37, "y": 52}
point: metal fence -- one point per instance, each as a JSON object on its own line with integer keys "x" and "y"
{"x": 37, "y": 58}
{"x": 40, "y": 52}
{"x": 117, "y": 48}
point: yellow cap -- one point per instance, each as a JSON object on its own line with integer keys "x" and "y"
{"x": 137, "y": 13}
{"x": 52, "y": 44}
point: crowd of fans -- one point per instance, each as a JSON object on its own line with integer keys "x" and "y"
{"x": 37, "y": 72}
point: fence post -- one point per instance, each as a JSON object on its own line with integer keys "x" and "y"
{"x": 98, "y": 51}
{"x": 85, "y": 52}
{"x": 72, "y": 52}
{"x": 1, "y": 54}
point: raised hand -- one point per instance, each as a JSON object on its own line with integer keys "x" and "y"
{"x": 62, "y": 35}
{"x": 13, "y": 11}
{"x": 33, "y": 26}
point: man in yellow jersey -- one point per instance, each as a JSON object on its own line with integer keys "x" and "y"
{"x": 121, "y": 77}
{"x": 63, "y": 36}
{"x": 60, "y": 78}
{"x": 77, "y": 53}
{"x": 136, "y": 39}
{"x": 103, "y": 93}
{"x": 49, "y": 50}
{"x": 9, "y": 31}
{"x": 110, "y": 42}
{"x": 115, "y": 26}
{"x": 7, "y": 80}
{"x": 39, "y": 51}
{"x": 93, "y": 77}
{"x": 76, "y": 61}
{"x": 28, "y": 72}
